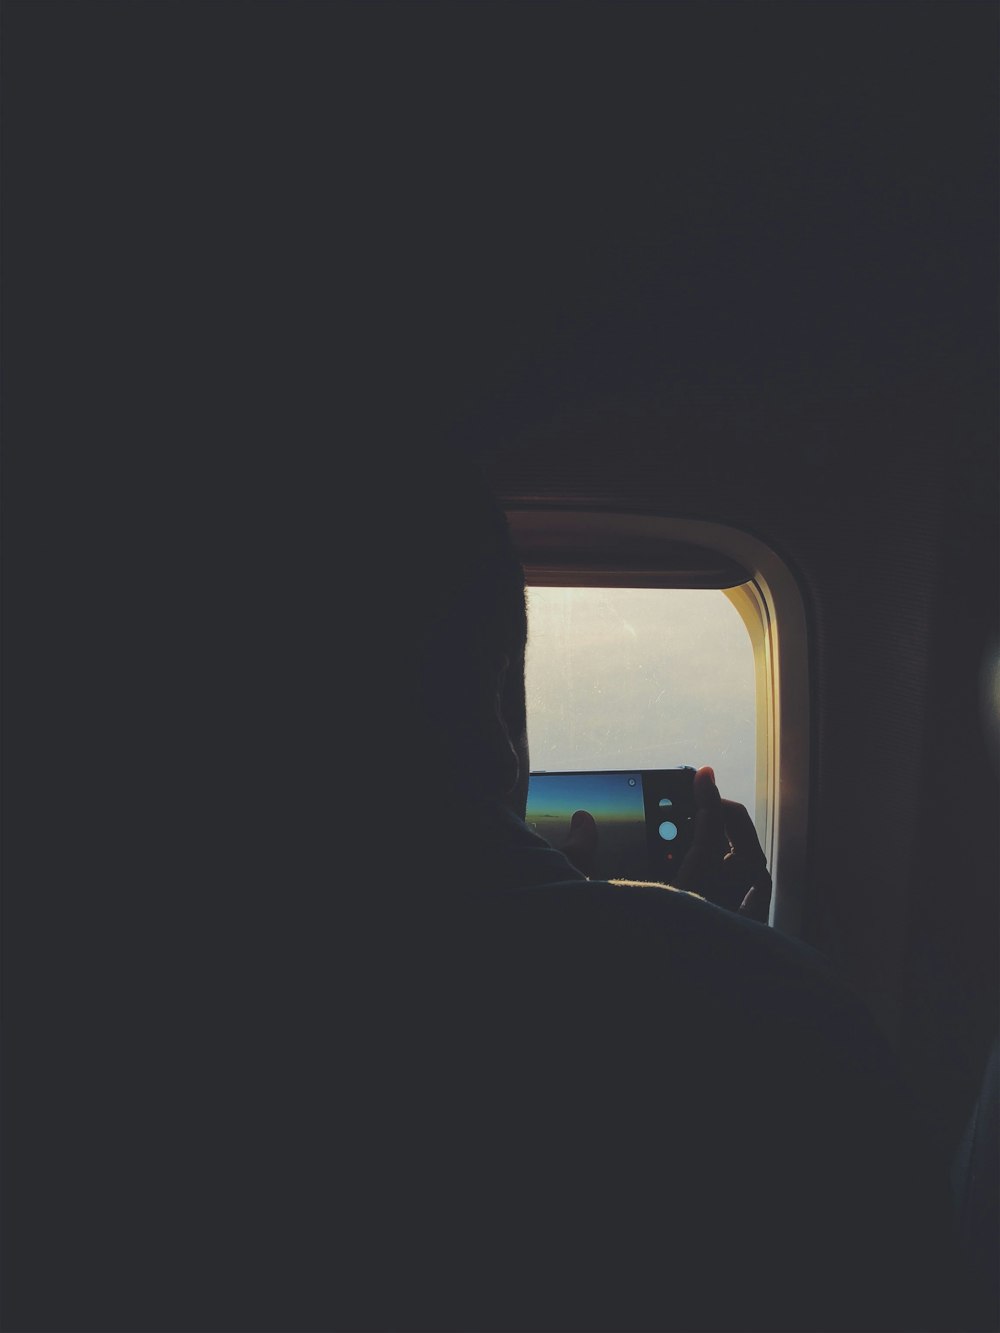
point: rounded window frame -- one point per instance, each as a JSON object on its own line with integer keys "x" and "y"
{"x": 575, "y": 547}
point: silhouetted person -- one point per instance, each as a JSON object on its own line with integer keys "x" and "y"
{"x": 357, "y": 1050}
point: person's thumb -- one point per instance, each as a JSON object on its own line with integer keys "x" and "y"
{"x": 581, "y": 846}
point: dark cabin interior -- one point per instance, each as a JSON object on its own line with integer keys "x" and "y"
{"x": 734, "y": 262}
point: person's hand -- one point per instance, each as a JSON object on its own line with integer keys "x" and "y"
{"x": 726, "y": 863}
{"x": 581, "y": 846}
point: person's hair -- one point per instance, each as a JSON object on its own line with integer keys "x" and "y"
{"x": 427, "y": 605}
{"x": 470, "y": 623}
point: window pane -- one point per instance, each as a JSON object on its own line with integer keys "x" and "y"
{"x": 641, "y": 678}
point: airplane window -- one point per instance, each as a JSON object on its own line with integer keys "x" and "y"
{"x": 642, "y": 678}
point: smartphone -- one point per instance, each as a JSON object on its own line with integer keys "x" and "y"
{"x": 645, "y": 817}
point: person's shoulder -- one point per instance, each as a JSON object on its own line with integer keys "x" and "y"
{"x": 661, "y": 914}
{"x": 663, "y": 936}
{"x": 665, "y": 912}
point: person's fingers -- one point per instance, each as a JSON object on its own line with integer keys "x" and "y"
{"x": 742, "y": 834}
{"x": 707, "y": 798}
{"x": 581, "y": 845}
{"x": 692, "y": 869}
{"x": 706, "y": 793}
{"x": 757, "y": 903}
{"x": 709, "y": 833}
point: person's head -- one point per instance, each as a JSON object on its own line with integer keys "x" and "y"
{"x": 461, "y": 626}
{"x": 350, "y": 638}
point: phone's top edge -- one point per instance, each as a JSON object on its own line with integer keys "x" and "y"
{"x": 600, "y": 772}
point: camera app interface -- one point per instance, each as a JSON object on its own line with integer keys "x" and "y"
{"x": 616, "y": 802}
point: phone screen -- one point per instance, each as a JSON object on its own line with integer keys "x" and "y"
{"x": 644, "y": 817}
